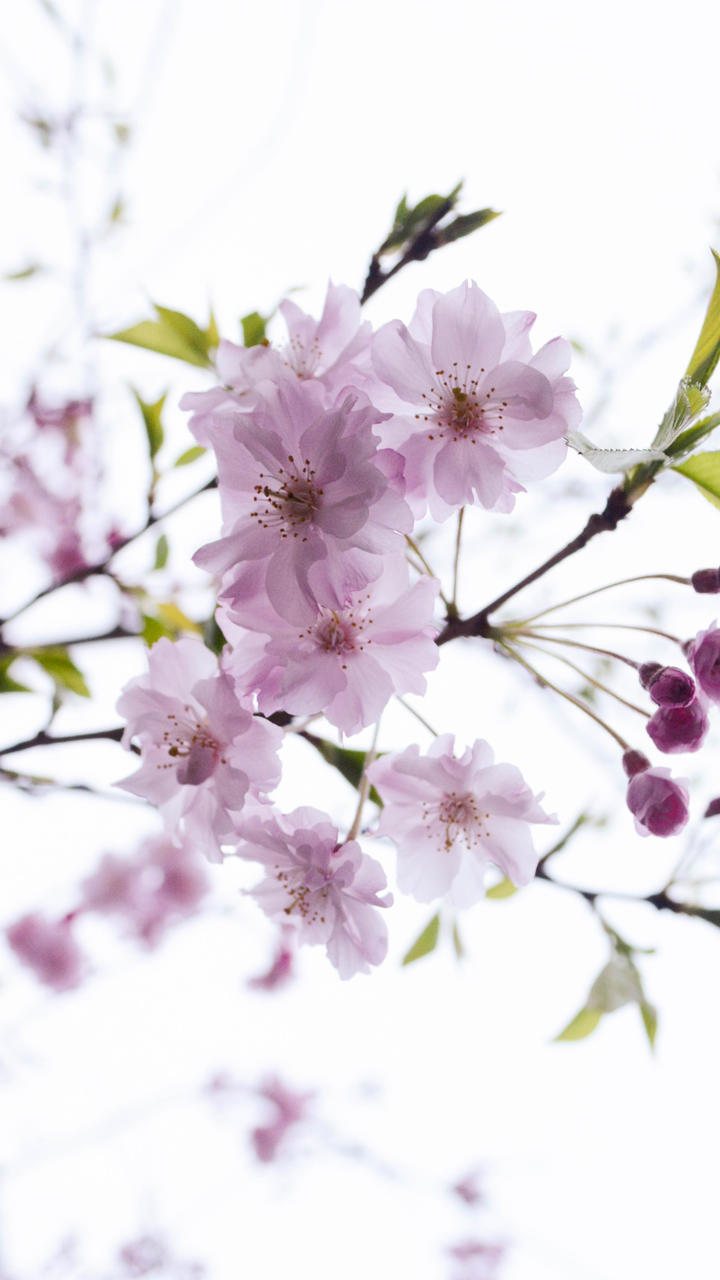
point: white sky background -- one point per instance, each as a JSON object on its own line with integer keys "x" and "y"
{"x": 270, "y": 148}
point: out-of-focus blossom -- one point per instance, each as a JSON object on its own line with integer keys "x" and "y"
{"x": 281, "y": 970}
{"x": 475, "y": 413}
{"x": 202, "y": 748}
{"x": 164, "y": 882}
{"x": 477, "y": 1259}
{"x": 450, "y": 818}
{"x": 289, "y": 1109}
{"x": 469, "y": 1189}
{"x": 48, "y": 947}
{"x": 328, "y": 891}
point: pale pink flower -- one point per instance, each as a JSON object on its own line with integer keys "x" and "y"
{"x": 48, "y": 947}
{"x": 202, "y": 748}
{"x": 163, "y": 882}
{"x": 348, "y": 654}
{"x": 289, "y": 1109}
{"x": 329, "y": 891}
{"x": 332, "y": 351}
{"x": 299, "y": 485}
{"x": 450, "y": 818}
{"x": 475, "y": 412}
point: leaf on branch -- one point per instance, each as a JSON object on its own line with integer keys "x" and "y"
{"x": 162, "y": 549}
{"x": 168, "y": 620}
{"x": 650, "y": 1022}
{"x": 704, "y": 470}
{"x": 464, "y": 225}
{"x": 426, "y": 943}
{"x": 582, "y": 1025}
{"x": 24, "y": 273}
{"x": 172, "y": 334}
{"x": 707, "y": 350}
{"x": 60, "y": 667}
{"x": 7, "y": 684}
{"x": 503, "y": 889}
{"x": 152, "y": 418}
{"x": 687, "y": 440}
{"x": 612, "y": 460}
{"x": 190, "y": 455}
{"x": 690, "y": 400}
{"x": 253, "y": 328}
{"x": 458, "y": 942}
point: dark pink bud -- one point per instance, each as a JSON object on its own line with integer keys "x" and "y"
{"x": 713, "y": 808}
{"x": 647, "y": 672}
{"x": 672, "y": 687}
{"x": 704, "y": 657}
{"x": 634, "y": 762}
{"x": 675, "y": 729}
{"x": 658, "y": 803}
{"x": 706, "y": 581}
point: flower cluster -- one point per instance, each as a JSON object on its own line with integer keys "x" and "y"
{"x": 329, "y": 448}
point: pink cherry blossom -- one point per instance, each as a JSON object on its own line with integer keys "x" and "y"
{"x": 48, "y": 947}
{"x": 164, "y": 882}
{"x": 658, "y": 802}
{"x": 332, "y": 351}
{"x": 289, "y": 1109}
{"x": 476, "y": 413}
{"x": 450, "y": 818}
{"x": 299, "y": 485}
{"x": 328, "y": 890}
{"x": 351, "y": 651}
{"x": 704, "y": 657}
{"x": 679, "y": 728}
{"x": 202, "y": 748}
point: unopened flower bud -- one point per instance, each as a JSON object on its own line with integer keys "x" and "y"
{"x": 634, "y": 762}
{"x": 704, "y": 657}
{"x": 713, "y": 808}
{"x": 672, "y": 687}
{"x": 658, "y": 803}
{"x": 647, "y": 672}
{"x": 706, "y": 581}
{"x": 675, "y": 729}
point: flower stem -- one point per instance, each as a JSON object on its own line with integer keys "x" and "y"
{"x": 643, "y": 577}
{"x": 559, "y": 657}
{"x": 563, "y": 693}
{"x": 578, "y": 644}
{"x": 363, "y": 787}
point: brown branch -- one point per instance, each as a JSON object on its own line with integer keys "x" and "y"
{"x": 43, "y": 739}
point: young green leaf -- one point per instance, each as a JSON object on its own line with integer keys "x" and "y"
{"x": 7, "y": 684}
{"x": 426, "y": 943}
{"x": 152, "y": 418}
{"x": 503, "y": 889}
{"x": 162, "y": 548}
{"x": 60, "y": 667}
{"x": 704, "y": 470}
{"x": 650, "y": 1021}
{"x": 253, "y": 328}
{"x": 582, "y": 1025}
{"x": 707, "y": 350}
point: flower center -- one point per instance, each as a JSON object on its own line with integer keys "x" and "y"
{"x": 193, "y": 751}
{"x": 459, "y": 408}
{"x": 458, "y": 818}
{"x": 289, "y": 500}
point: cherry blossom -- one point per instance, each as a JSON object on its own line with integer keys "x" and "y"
{"x": 476, "y": 413}
{"x": 202, "y": 748}
{"x": 162, "y": 883}
{"x": 351, "y": 651}
{"x": 704, "y": 657}
{"x": 679, "y": 728}
{"x": 301, "y": 484}
{"x": 658, "y": 802}
{"x": 328, "y": 890}
{"x": 450, "y": 818}
{"x": 289, "y": 1109}
{"x": 48, "y": 947}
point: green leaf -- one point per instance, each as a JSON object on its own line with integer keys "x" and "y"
{"x": 426, "y": 943}
{"x": 253, "y": 328}
{"x": 687, "y": 440}
{"x": 7, "y": 684}
{"x": 162, "y": 549}
{"x": 616, "y": 985}
{"x": 60, "y": 667}
{"x": 503, "y": 889}
{"x": 195, "y": 451}
{"x": 689, "y": 401}
{"x": 465, "y": 224}
{"x": 707, "y": 350}
{"x": 409, "y": 221}
{"x": 172, "y": 334}
{"x": 650, "y": 1021}
{"x": 582, "y": 1025}
{"x": 704, "y": 470}
{"x": 213, "y": 636}
{"x": 152, "y": 417}
{"x": 24, "y": 273}
{"x": 458, "y": 942}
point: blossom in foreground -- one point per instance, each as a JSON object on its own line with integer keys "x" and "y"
{"x": 450, "y": 818}
{"x": 475, "y": 412}
{"x": 352, "y": 652}
{"x": 704, "y": 657}
{"x": 202, "y": 748}
{"x": 329, "y": 891}
{"x": 677, "y": 728}
{"x": 300, "y": 486}
{"x": 49, "y": 949}
{"x": 658, "y": 802}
